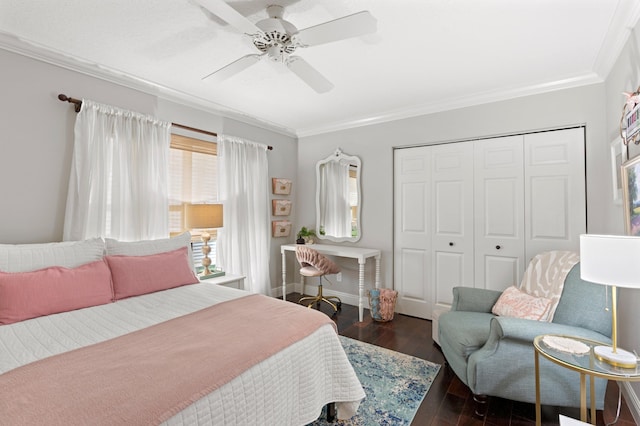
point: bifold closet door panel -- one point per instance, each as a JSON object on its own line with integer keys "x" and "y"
{"x": 452, "y": 225}
{"x": 499, "y": 212}
{"x": 555, "y": 204}
{"x": 412, "y": 231}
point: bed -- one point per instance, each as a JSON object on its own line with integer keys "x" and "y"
{"x": 289, "y": 386}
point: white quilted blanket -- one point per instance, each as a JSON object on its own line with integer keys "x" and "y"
{"x": 290, "y": 388}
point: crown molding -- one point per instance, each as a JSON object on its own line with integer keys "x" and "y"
{"x": 625, "y": 19}
{"x": 457, "y": 103}
{"x": 623, "y": 22}
{"x": 40, "y": 53}
{"x": 626, "y": 16}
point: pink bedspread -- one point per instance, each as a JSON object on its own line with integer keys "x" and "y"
{"x": 147, "y": 376}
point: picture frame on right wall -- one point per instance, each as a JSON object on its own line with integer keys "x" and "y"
{"x": 631, "y": 196}
{"x": 618, "y": 157}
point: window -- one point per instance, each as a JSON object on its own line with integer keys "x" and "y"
{"x": 193, "y": 174}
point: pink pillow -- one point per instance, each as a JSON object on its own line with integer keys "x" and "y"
{"x": 516, "y": 303}
{"x": 25, "y": 295}
{"x": 136, "y": 275}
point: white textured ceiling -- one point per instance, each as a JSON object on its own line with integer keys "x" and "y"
{"x": 427, "y": 55}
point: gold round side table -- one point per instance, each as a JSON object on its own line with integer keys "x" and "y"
{"x": 584, "y": 363}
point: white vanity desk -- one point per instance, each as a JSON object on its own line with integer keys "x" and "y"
{"x": 359, "y": 253}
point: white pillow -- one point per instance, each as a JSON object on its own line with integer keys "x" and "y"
{"x": 148, "y": 247}
{"x": 31, "y": 257}
{"x": 514, "y": 302}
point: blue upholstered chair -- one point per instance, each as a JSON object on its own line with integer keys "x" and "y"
{"x": 494, "y": 356}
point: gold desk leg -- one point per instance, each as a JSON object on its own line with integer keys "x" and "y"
{"x": 583, "y": 398}
{"x": 538, "y": 410}
{"x": 593, "y": 399}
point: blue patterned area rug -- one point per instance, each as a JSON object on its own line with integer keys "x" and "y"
{"x": 395, "y": 385}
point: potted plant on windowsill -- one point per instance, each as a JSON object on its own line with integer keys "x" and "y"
{"x": 305, "y": 236}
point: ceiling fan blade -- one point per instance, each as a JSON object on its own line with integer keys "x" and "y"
{"x": 234, "y": 67}
{"x": 355, "y": 25}
{"x": 228, "y": 14}
{"x": 309, "y": 75}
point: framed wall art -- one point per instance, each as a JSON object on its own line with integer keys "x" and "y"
{"x": 618, "y": 157}
{"x": 630, "y": 195}
{"x": 630, "y": 120}
{"x": 280, "y": 207}
{"x": 281, "y": 186}
{"x": 280, "y": 228}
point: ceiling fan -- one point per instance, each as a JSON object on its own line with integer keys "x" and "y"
{"x": 277, "y": 39}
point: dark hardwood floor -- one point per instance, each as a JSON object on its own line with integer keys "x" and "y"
{"x": 449, "y": 401}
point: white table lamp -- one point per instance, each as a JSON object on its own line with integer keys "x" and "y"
{"x": 205, "y": 217}
{"x": 612, "y": 260}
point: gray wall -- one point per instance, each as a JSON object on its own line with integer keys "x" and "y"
{"x": 374, "y": 145}
{"x": 625, "y": 77}
{"x": 37, "y": 142}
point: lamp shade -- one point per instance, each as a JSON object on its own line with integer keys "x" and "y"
{"x": 203, "y": 216}
{"x": 610, "y": 260}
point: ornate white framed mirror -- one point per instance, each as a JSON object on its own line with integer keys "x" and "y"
{"x": 338, "y": 197}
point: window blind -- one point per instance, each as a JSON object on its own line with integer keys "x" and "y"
{"x": 193, "y": 179}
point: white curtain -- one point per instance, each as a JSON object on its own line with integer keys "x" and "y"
{"x": 244, "y": 240}
{"x": 119, "y": 174}
{"x": 337, "y": 208}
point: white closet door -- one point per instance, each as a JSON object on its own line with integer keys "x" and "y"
{"x": 555, "y": 186}
{"x": 475, "y": 213}
{"x": 452, "y": 225}
{"x": 412, "y": 229}
{"x": 499, "y": 212}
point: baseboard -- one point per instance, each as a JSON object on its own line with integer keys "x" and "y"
{"x": 633, "y": 402}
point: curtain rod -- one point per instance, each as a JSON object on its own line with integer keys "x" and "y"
{"x": 78, "y": 105}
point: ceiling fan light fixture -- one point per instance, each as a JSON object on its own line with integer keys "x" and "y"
{"x": 276, "y": 54}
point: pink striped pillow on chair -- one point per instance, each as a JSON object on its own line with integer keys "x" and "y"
{"x": 516, "y": 303}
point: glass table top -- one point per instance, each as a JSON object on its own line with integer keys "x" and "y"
{"x": 577, "y": 353}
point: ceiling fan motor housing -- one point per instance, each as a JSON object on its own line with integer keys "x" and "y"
{"x": 276, "y": 38}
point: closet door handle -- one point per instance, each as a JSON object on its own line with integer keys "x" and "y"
{"x": 498, "y": 247}
{"x": 451, "y": 244}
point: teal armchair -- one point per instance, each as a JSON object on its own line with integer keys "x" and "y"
{"x": 494, "y": 356}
